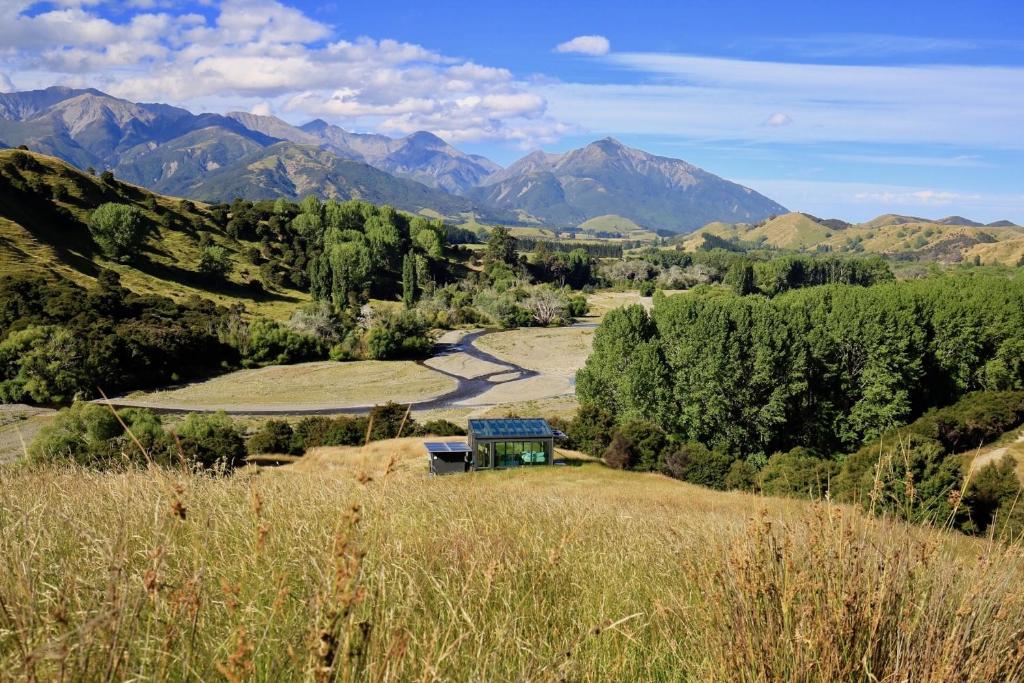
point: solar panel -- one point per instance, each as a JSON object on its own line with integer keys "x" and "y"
{"x": 446, "y": 447}
{"x": 510, "y": 428}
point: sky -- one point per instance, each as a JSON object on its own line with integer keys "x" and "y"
{"x": 845, "y": 110}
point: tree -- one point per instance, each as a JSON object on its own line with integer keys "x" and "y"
{"x": 409, "y": 280}
{"x": 214, "y": 262}
{"x": 119, "y": 230}
{"x": 695, "y": 463}
{"x": 740, "y": 277}
{"x": 212, "y": 441}
{"x": 501, "y": 246}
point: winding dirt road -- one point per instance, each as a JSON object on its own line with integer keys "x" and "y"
{"x": 474, "y": 371}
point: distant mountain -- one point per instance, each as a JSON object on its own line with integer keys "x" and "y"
{"x": 1001, "y": 224}
{"x": 173, "y": 151}
{"x": 290, "y": 170}
{"x": 422, "y": 156}
{"x": 607, "y": 177}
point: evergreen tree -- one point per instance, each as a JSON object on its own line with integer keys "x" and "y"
{"x": 409, "y": 280}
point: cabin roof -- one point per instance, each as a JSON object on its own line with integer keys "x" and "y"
{"x": 510, "y": 428}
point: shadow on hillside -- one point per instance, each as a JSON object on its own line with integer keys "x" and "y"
{"x": 191, "y": 278}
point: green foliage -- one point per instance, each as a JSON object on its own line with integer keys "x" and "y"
{"x": 740, "y": 277}
{"x": 625, "y": 373}
{"x": 211, "y": 441}
{"x": 58, "y": 341}
{"x": 636, "y": 445}
{"x": 742, "y": 476}
{"x": 441, "y": 428}
{"x": 591, "y": 429}
{"x": 214, "y": 262}
{"x": 697, "y": 464}
{"x": 270, "y": 343}
{"x": 827, "y": 368}
{"x": 916, "y": 472}
{"x": 273, "y": 436}
{"x": 798, "y": 473}
{"x": 501, "y": 247}
{"x": 91, "y": 435}
{"x": 119, "y": 230}
{"x": 409, "y": 280}
{"x": 993, "y": 493}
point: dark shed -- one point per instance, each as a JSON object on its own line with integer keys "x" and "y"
{"x": 448, "y": 458}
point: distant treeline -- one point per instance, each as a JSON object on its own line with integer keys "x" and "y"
{"x": 592, "y": 250}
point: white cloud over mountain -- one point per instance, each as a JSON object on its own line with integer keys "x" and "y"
{"x": 268, "y": 55}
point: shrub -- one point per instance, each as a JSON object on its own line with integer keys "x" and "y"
{"x": 797, "y": 473}
{"x": 119, "y": 230}
{"x": 273, "y": 436}
{"x": 211, "y": 441}
{"x": 591, "y": 430}
{"x": 442, "y": 428}
{"x": 993, "y": 493}
{"x": 742, "y": 476}
{"x": 91, "y": 435}
{"x": 695, "y": 463}
{"x": 214, "y": 262}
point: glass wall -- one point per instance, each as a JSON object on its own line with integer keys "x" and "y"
{"x": 519, "y": 453}
{"x": 483, "y": 456}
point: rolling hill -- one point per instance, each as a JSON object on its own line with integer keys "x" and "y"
{"x": 944, "y": 240}
{"x": 607, "y": 177}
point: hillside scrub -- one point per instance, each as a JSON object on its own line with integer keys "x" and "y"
{"x": 160, "y": 575}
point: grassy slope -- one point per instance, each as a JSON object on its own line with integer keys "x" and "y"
{"x": 889, "y": 234}
{"x": 30, "y": 242}
{"x": 569, "y": 573}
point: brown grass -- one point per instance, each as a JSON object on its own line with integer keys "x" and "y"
{"x": 356, "y": 566}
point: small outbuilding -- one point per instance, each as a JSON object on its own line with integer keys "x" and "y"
{"x": 448, "y": 457}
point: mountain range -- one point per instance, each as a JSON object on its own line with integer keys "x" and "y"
{"x": 218, "y": 157}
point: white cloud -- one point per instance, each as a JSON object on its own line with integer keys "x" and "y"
{"x": 715, "y": 98}
{"x": 594, "y": 46}
{"x": 778, "y": 119}
{"x": 5, "y": 83}
{"x": 263, "y": 53}
{"x": 261, "y": 109}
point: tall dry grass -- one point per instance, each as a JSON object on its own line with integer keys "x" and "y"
{"x": 580, "y": 574}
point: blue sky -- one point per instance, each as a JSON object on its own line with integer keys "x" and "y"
{"x": 840, "y": 109}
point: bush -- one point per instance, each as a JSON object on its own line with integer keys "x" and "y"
{"x": 695, "y": 463}
{"x": 214, "y": 262}
{"x": 211, "y": 441}
{"x": 799, "y": 473}
{"x": 270, "y": 343}
{"x": 441, "y": 428}
{"x": 993, "y": 494}
{"x": 742, "y": 476}
{"x": 119, "y": 230}
{"x": 591, "y": 430}
{"x": 91, "y": 435}
{"x": 274, "y": 436}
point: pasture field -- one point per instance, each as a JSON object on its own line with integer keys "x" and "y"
{"x": 553, "y": 351}
{"x": 563, "y": 573}
{"x": 306, "y": 386}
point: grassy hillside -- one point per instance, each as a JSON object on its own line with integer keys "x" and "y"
{"x": 44, "y": 206}
{"x": 890, "y": 234}
{"x": 609, "y": 223}
{"x": 568, "y": 573}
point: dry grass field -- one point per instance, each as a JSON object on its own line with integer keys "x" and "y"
{"x": 555, "y": 351}
{"x": 306, "y": 386}
{"x": 357, "y": 566}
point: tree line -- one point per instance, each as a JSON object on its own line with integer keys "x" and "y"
{"x": 825, "y": 369}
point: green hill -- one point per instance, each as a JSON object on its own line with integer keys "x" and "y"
{"x": 44, "y": 206}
